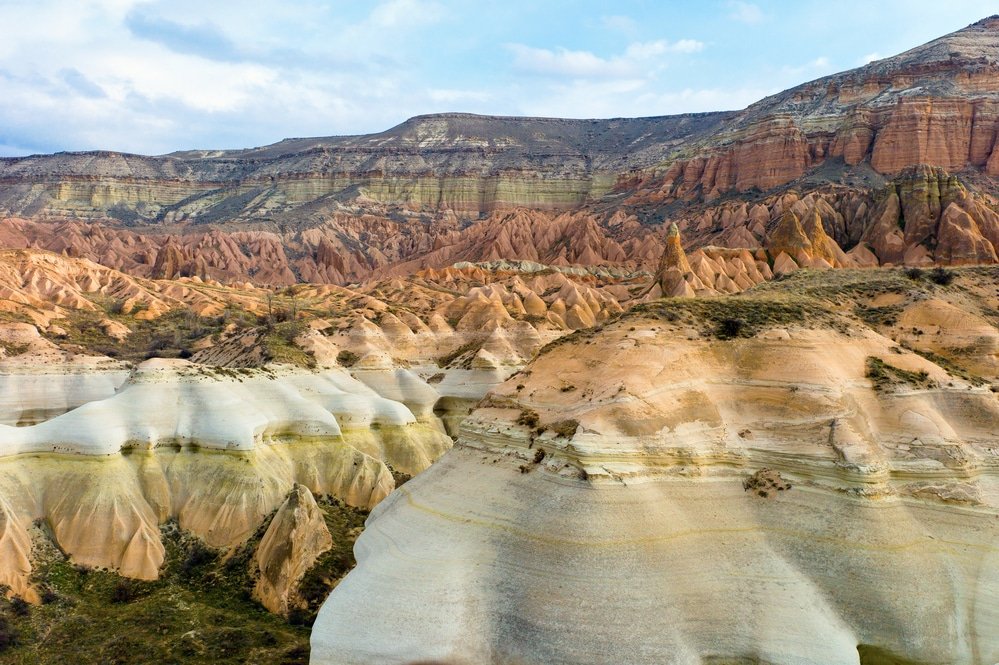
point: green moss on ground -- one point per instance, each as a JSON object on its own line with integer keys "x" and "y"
{"x": 200, "y": 611}
{"x": 726, "y": 317}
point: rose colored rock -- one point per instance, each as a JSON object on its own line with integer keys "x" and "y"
{"x": 960, "y": 241}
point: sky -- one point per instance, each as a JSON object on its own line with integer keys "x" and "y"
{"x": 154, "y": 76}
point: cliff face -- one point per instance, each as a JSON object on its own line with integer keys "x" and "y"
{"x": 699, "y": 486}
{"x": 936, "y": 104}
{"x": 898, "y": 158}
{"x": 460, "y": 162}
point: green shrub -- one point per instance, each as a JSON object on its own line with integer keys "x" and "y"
{"x": 941, "y": 276}
{"x": 729, "y": 328}
{"x": 348, "y": 358}
{"x": 529, "y": 418}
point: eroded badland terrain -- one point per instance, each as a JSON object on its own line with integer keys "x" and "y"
{"x": 712, "y": 388}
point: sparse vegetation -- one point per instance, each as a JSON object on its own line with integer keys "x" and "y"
{"x": 170, "y": 335}
{"x": 729, "y": 328}
{"x": 948, "y": 365}
{"x": 126, "y": 590}
{"x": 199, "y": 611}
{"x": 766, "y": 483}
{"x": 280, "y": 347}
{"x": 941, "y": 276}
{"x": 563, "y": 428}
{"x": 529, "y": 418}
{"x": 449, "y": 358}
{"x": 886, "y": 377}
{"x": 8, "y": 635}
{"x": 878, "y": 316}
{"x": 10, "y": 349}
{"x": 745, "y": 315}
{"x": 347, "y": 358}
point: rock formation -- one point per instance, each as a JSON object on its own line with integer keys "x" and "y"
{"x": 297, "y": 535}
{"x": 103, "y": 451}
{"x": 603, "y": 502}
{"x": 673, "y": 274}
{"x": 661, "y": 451}
{"x": 439, "y": 190}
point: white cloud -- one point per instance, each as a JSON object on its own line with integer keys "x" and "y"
{"x": 745, "y": 12}
{"x": 817, "y": 67}
{"x": 629, "y": 98}
{"x": 687, "y": 46}
{"x": 118, "y": 74}
{"x": 636, "y": 60}
{"x": 406, "y": 13}
{"x": 870, "y": 57}
{"x": 447, "y": 96}
{"x": 563, "y": 62}
{"x": 647, "y": 50}
{"x": 623, "y": 24}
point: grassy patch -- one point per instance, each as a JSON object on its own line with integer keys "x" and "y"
{"x": 168, "y": 336}
{"x": 199, "y": 611}
{"x": 886, "y": 377}
{"x": 729, "y": 317}
{"x": 279, "y": 345}
{"x": 345, "y": 524}
{"x": 949, "y": 366}
{"x": 878, "y": 316}
{"x": 10, "y": 349}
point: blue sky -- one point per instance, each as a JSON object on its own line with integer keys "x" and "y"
{"x": 153, "y": 76}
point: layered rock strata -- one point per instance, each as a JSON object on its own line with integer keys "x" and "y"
{"x": 215, "y": 450}
{"x": 443, "y": 189}
{"x": 652, "y": 491}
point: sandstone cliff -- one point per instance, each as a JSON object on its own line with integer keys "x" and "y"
{"x": 456, "y": 187}
{"x": 682, "y": 490}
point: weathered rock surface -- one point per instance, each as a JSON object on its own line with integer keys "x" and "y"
{"x": 450, "y": 188}
{"x": 297, "y": 535}
{"x": 618, "y": 518}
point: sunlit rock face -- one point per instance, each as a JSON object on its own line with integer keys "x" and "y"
{"x": 654, "y": 494}
{"x": 215, "y": 449}
{"x": 295, "y": 538}
{"x": 455, "y": 187}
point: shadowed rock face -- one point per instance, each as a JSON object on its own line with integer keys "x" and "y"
{"x": 458, "y": 187}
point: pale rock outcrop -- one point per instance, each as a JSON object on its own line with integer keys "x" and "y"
{"x": 647, "y": 461}
{"x": 215, "y": 449}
